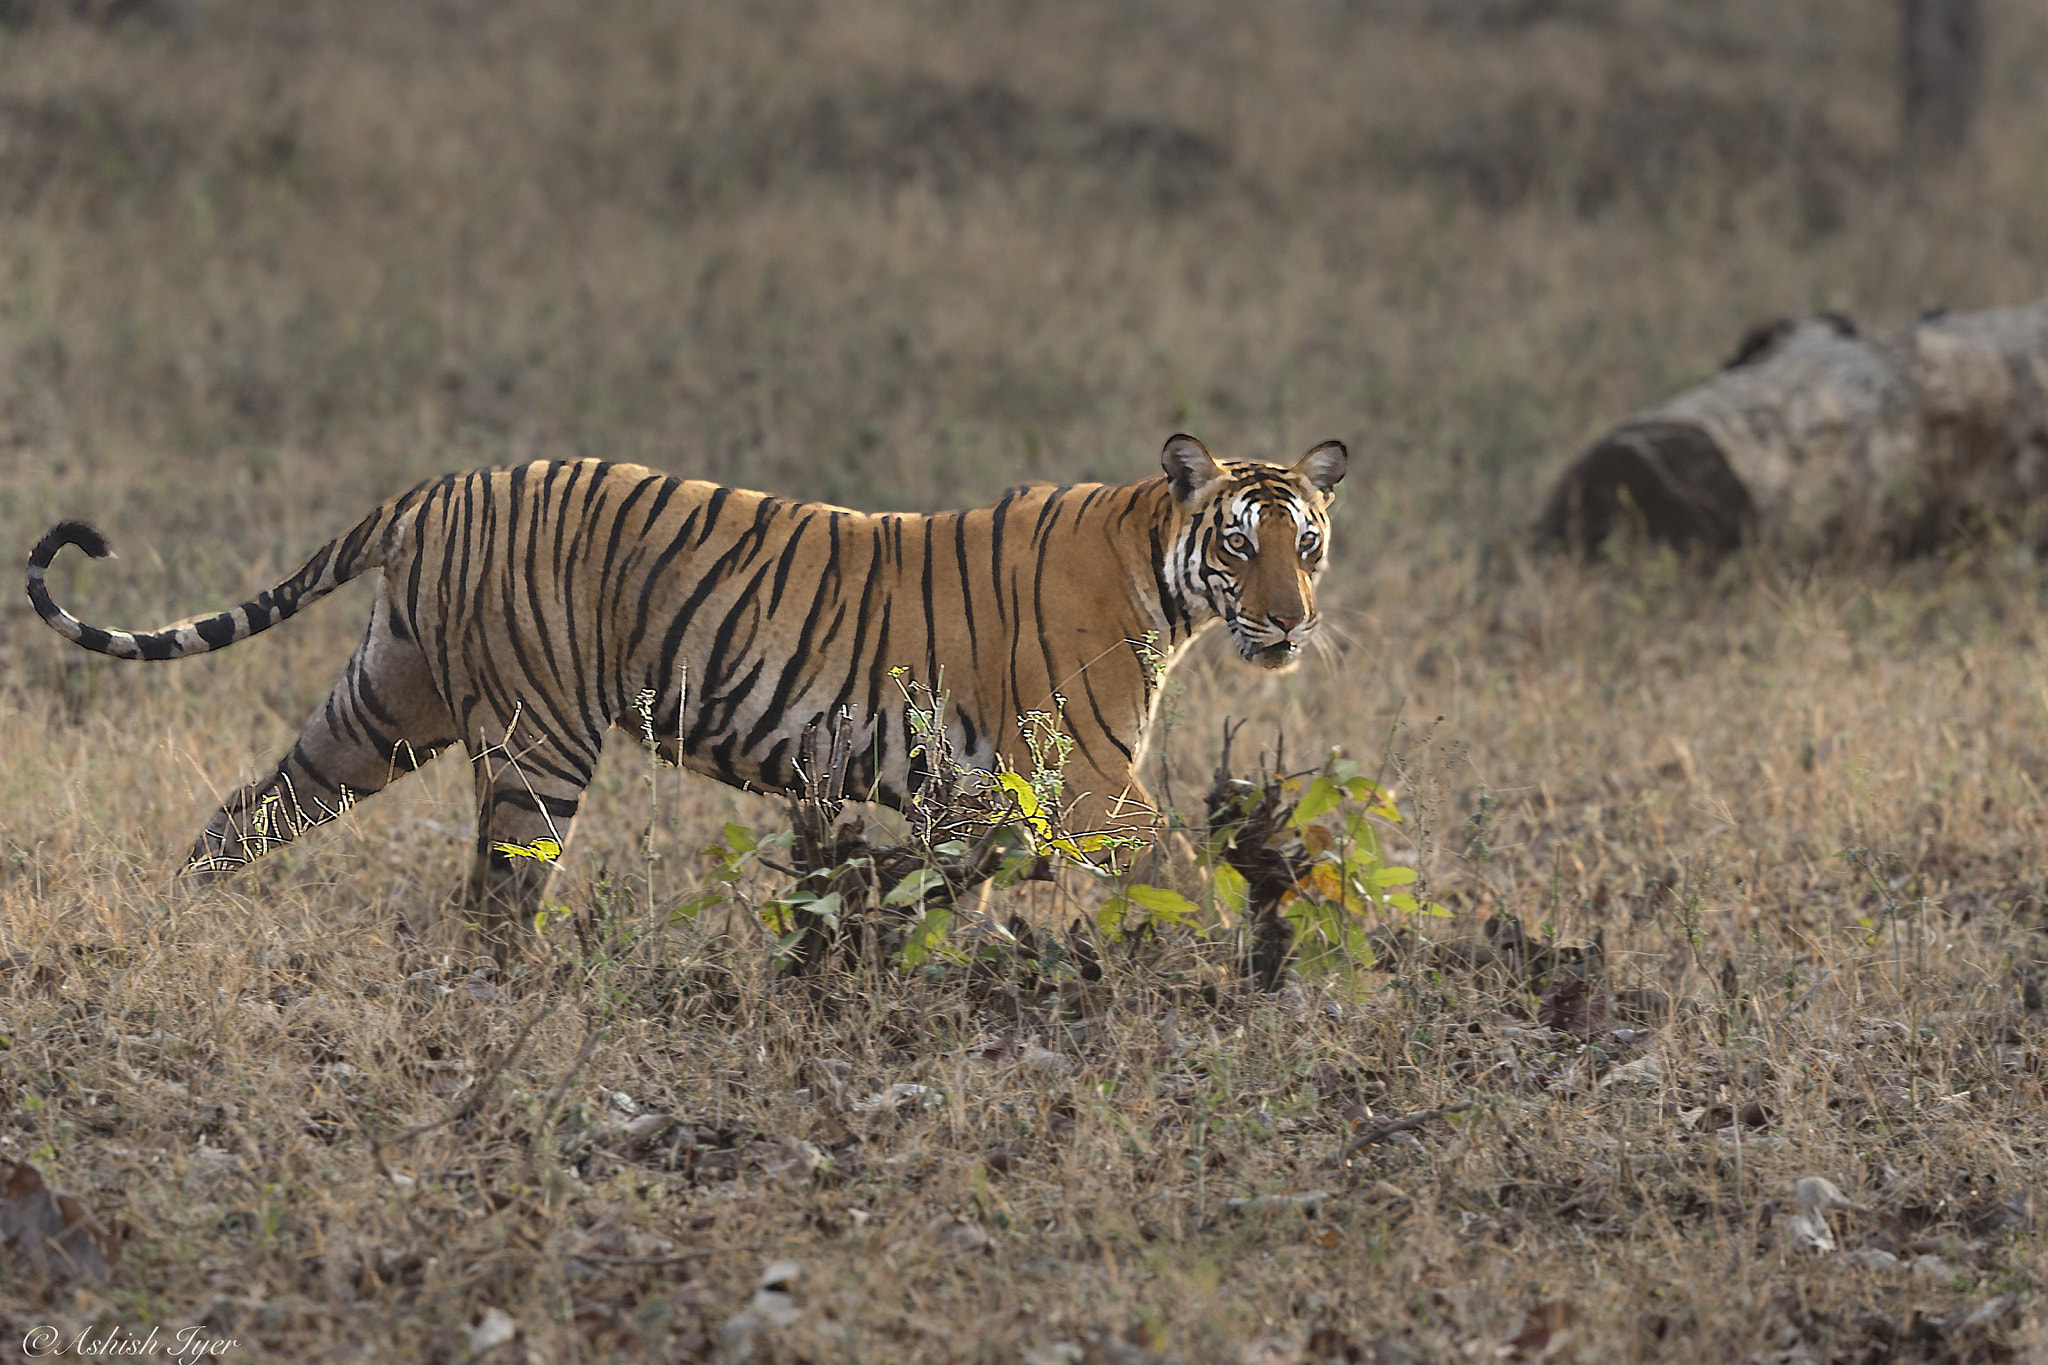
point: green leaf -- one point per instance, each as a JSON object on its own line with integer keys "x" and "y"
{"x": 1373, "y": 797}
{"x": 1163, "y": 905}
{"x": 1393, "y": 876}
{"x": 1110, "y": 918}
{"x": 1322, "y": 795}
{"x": 1365, "y": 851}
{"x": 1233, "y": 893}
{"x": 913, "y": 888}
{"x": 740, "y": 838}
{"x": 1012, "y": 868}
{"x": 927, "y": 938}
{"x": 694, "y": 906}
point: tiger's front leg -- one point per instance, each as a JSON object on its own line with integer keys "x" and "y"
{"x": 527, "y": 798}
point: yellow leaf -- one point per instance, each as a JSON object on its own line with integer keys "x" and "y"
{"x": 1323, "y": 883}
{"x": 543, "y": 849}
{"x": 1019, "y": 788}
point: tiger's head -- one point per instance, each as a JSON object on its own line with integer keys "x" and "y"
{"x": 1254, "y": 542}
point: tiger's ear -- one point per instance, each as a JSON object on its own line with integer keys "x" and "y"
{"x": 1324, "y": 466}
{"x": 1190, "y": 468}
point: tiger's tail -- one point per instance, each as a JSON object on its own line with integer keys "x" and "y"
{"x": 332, "y": 565}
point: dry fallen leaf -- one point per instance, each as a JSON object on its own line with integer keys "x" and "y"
{"x": 1389, "y": 1195}
{"x": 773, "y": 1305}
{"x": 1574, "y": 1006}
{"x": 1871, "y": 1258}
{"x": 643, "y": 1133}
{"x": 1755, "y": 1114}
{"x": 490, "y": 1331}
{"x": 1544, "y": 1329}
{"x": 1278, "y": 1349}
{"x": 54, "y": 1233}
{"x": 1647, "y": 1069}
{"x": 792, "y": 1160}
{"x": 1807, "y": 1227}
{"x": 894, "y": 1098}
{"x": 1307, "y": 1202}
{"x": 1055, "y": 1353}
{"x": 1045, "y": 1060}
{"x": 961, "y": 1233}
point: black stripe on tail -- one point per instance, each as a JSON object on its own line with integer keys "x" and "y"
{"x": 320, "y": 575}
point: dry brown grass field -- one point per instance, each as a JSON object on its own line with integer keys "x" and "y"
{"x": 262, "y": 266}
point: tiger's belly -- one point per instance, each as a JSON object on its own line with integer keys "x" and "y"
{"x": 789, "y": 752}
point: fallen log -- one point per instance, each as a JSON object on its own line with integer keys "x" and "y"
{"x": 1814, "y": 439}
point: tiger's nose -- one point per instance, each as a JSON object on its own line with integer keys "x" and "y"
{"x": 1285, "y": 621}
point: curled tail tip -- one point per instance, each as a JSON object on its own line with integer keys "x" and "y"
{"x": 85, "y": 536}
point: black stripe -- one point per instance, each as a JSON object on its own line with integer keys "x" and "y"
{"x": 998, "y": 516}
{"x": 558, "y": 807}
{"x": 793, "y": 664}
{"x": 966, "y": 586}
{"x": 782, "y": 568}
{"x": 931, "y": 624}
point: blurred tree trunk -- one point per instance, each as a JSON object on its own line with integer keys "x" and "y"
{"x": 1815, "y": 439}
{"x": 1942, "y": 65}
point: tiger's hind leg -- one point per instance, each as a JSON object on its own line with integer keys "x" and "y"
{"x": 383, "y": 719}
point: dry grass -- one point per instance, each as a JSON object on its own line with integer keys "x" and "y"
{"x": 265, "y": 268}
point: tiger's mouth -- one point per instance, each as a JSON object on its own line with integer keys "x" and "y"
{"x": 1277, "y": 658}
{"x": 1274, "y": 658}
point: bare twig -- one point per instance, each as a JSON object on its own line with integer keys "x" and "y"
{"x": 680, "y": 1258}
{"x": 547, "y": 1113}
{"x": 1380, "y": 1132}
{"x": 469, "y": 1105}
{"x": 1801, "y": 1002}
{"x": 477, "y": 1093}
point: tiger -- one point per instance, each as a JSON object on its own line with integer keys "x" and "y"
{"x": 526, "y": 611}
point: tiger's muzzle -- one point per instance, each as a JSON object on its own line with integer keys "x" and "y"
{"x": 1274, "y": 644}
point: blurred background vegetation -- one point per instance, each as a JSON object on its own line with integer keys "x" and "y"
{"x": 906, "y": 252}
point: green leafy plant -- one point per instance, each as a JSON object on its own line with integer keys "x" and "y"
{"x": 1310, "y": 848}
{"x": 736, "y": 853}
